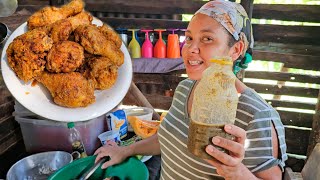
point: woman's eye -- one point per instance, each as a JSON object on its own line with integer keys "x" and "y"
{"x": 206, "y": 39}
{"x": 188, "y": 38}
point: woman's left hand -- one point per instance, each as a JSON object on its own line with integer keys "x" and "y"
{"x": 229, "y": 165}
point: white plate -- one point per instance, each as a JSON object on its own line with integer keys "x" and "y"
{"x": 38, "y": 99}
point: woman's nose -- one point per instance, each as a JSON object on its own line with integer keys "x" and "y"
{"x": 193, "y": 47}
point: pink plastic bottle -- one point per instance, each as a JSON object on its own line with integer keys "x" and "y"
{"x": 173, "y": 48}
{"x": 160, "y": 47}
{"x": 147, "y": 47}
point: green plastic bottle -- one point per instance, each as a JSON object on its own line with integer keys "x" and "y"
{"x": 75, "y": 140}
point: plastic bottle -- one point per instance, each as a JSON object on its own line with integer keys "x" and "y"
{"x": 214, "y": 105}
{"x": 75, "y": 140}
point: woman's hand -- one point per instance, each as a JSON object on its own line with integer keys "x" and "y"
{"x": 229, "y": 165}
{"x": 116, "y": 153}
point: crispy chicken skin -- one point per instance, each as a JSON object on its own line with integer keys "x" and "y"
{"x": 61, "y": 30}
{"x": 68, "y": 89}
{"x": 83, "y": 18}
{"x": 65, "y": 56}
{"x": 26, "y": 54}
{"x": 111, "y": 35}
{"x": 95, "y": 42}
{"x": 102, "y": 72}
{"x": 49, "y": 15}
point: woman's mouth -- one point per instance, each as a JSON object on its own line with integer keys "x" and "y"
{"x": 195, "y": 63}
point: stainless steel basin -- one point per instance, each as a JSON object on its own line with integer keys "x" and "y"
{"x": 38, "y": 166}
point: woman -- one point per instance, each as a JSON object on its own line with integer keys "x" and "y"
{"x": 219, "y": 28}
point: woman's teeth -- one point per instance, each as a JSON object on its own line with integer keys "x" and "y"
{"x": 195, "y": 62}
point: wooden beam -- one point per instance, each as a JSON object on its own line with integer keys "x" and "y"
{"x": 298, "y": 49}
{"x": 144, "y": 23}
{"x": 287, "y": 12}
{"x": 291, "y": 104}
{"x": 287, "y": 34}
{"x": 306, "y": 62}
{"x": 144, "y": 6}
{"x": 248, "y": 6}
{"x": 6, "y": 109}
{"x": 296, "y": 118}
{"x": 297, "y": 141}
{"x": 283, "y": 76}
{"x": 284, "y": 90}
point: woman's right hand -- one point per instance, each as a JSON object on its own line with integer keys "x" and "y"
{"x": 116, "y": 153}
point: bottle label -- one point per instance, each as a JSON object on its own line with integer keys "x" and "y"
{"x": 118, "y": 121}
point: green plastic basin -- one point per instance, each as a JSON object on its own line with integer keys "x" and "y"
{"x": 131, "y": 169}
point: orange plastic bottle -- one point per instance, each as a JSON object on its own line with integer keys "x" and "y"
{"x": 173, "y": 48}
{"x": 159, "y": 50}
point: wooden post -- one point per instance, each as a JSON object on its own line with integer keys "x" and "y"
{"x": 315, "y": 132}
{"x": 135, "y": 94}
{"x": 248, "y": 6}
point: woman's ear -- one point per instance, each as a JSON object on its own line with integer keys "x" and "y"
{"x": 236, "y": 50}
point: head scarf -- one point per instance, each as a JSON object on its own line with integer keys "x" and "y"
{"x": 234, "y": 19}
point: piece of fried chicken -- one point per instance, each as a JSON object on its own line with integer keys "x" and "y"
{"x": 111, "y": 35}
{"x": 65, "y": 56}
{"x": 102, "y": 72}
{"x": 26, "y": 54}
{"x": 68, "y": 89}
{"x": 49, "y": 15}
{"x": 61, "y": 30}
{"x": 96, "y": 42}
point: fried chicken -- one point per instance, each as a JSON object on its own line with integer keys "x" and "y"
{"x": 96, "y": 42}
{"x": 65, "y": 56}
{"x": 62, "y": 29}
{"x": 26, "y": 54}
{"x": 68, "y": 89}
{"x": 111, "y": 35}
{"x": 49, "y": 15}
{"x": 102, "y": 72}
{"x": 83, "y": 18}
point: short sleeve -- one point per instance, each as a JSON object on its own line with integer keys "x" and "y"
{"x": 258, "y": 155}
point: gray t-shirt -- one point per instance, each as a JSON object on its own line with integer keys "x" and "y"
{"x": 253, "y": 115}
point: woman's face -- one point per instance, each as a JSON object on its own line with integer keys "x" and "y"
{"x": 205, "y": 38}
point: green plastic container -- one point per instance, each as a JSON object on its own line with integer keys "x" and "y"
{"x": 131, "y": 169}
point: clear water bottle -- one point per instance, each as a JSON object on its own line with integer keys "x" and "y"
{"x": 214, "y": 105}
{"x": 75, "y": 140}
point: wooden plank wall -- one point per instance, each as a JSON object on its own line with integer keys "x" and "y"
{"x": 294, "y": 46}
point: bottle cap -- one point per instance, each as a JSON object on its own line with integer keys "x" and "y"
{"x": 70, "y": 125}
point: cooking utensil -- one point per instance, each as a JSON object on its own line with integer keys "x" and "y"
{"x": 87, "y": 174}
{"x": 39, "y": 166}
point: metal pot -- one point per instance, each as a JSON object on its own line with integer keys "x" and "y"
{"x": 39, "y": 166}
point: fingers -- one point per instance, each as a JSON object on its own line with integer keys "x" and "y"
{"x": 236, "y": 131}
{"x": 107, "y": 164}
{"x": 232, "y": 146}
{"x": 221, "y": 156}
